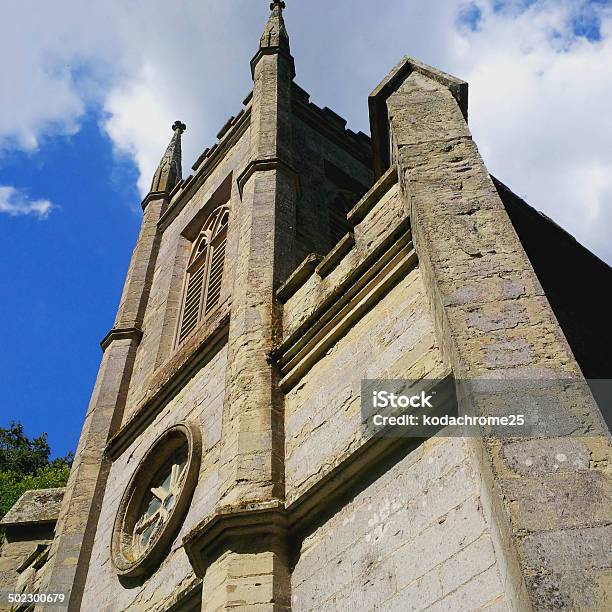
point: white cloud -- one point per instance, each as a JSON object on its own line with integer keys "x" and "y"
{"x": 539, "y": 99}
{"x": 45, "y": 46}
{"x": 15, "y": 203}
{"x": 538, "y": 93}
{"x": 133, "y": 109}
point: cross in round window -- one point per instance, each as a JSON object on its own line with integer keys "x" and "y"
{"x": 159, "y": 503}
{"x": 156, "y": 500}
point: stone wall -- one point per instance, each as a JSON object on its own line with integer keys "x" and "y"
{"x": 384, "y": 216}
{"x": 494, "y": 321}
{"x": 201, "y": 401}
{"x": 415, "y": 539}
{"x": 430, "y": 281}
{"x": 165, "y": 301}
{"x": 28, "y": 533}
{"x": 322, "y": 412}
{"x": 388, "y": 534}
{"x": 312, "y": 149}
{"x": 18, "y": 545}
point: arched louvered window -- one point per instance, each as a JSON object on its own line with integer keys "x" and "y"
{"x": 204, "y": 272}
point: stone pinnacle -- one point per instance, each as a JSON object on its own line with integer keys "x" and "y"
{"x": 169, "y": 171}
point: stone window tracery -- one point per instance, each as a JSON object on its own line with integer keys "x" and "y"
{"x": 156, "y": 500}
{"x": 159, "y": 503}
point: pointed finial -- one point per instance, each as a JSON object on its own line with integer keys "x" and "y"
{"x": 169, "y": 171}
{"x": 275, "y": 34}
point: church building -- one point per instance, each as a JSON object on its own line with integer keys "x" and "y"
{"x": 225, "y": 462}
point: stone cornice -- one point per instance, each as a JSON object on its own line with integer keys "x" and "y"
{"x": 341, "y": 310}
{"x": 170, "y": 377}
{"x": 297, "y": 278}
{"x": 396, "y": 244}
{"x": 334, "y": 257}
{"x": 245, "y": 521}
{"x": 319, "y": 263}
{"x": 192, "y": 593}
{"x": 345, "y": 473}
{"x": 292, "y": 518}
{"x": 263, "y": 165}
{"x": 372, "y": 197}
{"x": 121, "y": 333}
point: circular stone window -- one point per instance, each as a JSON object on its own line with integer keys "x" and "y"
{"x": 156, "y": 500}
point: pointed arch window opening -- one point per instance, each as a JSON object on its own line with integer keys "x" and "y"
{"x": 202, "y": 291}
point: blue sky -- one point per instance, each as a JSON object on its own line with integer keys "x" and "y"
{"x": 94, "y": 88}
{"x": 61, "y": 277}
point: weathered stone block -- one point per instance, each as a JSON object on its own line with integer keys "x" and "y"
{"x": 559, "y": 501}
{"x": 534, "y": 457}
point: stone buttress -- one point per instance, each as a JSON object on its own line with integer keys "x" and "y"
{"x": 78, "y": 518}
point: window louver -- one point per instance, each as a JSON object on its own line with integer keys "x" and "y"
{"x": 216, "y": 275}
{"x": 204, "y": 273}
{"x": 193, "y": 299}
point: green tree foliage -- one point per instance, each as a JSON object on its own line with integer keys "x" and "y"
{"x": 25, "y": 465}
{"x": 19, "y": 454}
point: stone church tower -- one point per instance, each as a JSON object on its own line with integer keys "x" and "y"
{"x": 224, "y": 463}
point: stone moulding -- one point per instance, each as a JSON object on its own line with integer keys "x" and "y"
{"x": 169, "y": 378}
{"x": 395, "y": 235}
{"x": 220, "y": 135}
{"x": 334, "y": 257}
{"x": 188, "y": 597}
{"x": 274, "y": 50}
{"x": 290, "y": 519}
{"x": 262, "y": 165}
{"x": 198, "y": 162}
{"x": 226, "y": 126}
{"x": 346, "y": 304}
{"x": 248, "y": 521}
{"x": 119, "y": 333}
{"x": 35, "y": 559}
{"x": 359, "y": 212}
{"x": 377, "y": 102}
{"x": 180, "y": 185}
{"x": 131, "y": 504}
{"x": 345, "y": 472}
{"x": 35, "y": 507}
{"x": 154, "y": 195}
{"x": 336, "y": 322}
{"x": 299, "y": 277}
